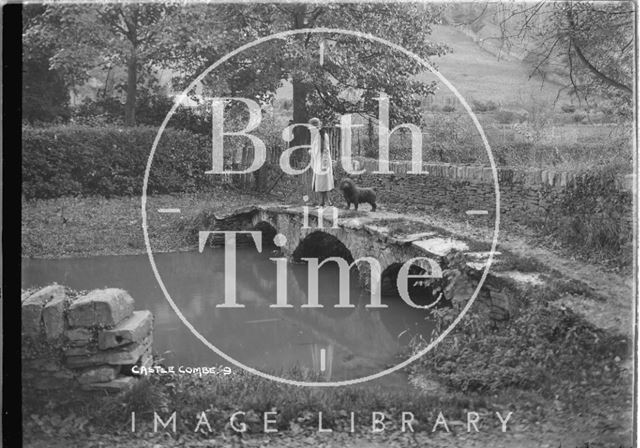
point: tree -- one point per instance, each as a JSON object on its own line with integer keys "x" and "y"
{"x": 348, "y": 62}
{"x": 90, "y": 36}
{"x": 45, "y": 96}
{"x": 593, "y": 41}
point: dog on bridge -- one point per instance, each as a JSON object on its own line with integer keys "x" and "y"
{"x": 355, "y": 195}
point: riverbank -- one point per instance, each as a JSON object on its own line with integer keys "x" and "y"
{"x": 594, "y": 408}
{"x": 90, "y": 226}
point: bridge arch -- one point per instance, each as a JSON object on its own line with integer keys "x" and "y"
{"x": 268, "y": 231}
{"x": 421, "y": 294}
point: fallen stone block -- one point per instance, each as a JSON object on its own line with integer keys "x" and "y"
{"x": 53, "y": 317}
{"x": 101, "y": 308}
{"x": 81, "y": 350}
{"x": 133, "y": 329}
{"x": 146, "y": 361}
{"x": 100, "y": 374}
{"x": 129, "y": 354}
{"x": 441, "y": 246}
{"x": 79, "y": 336}
{"x": 120, "y": 384}
{"x": 32, "y": 308}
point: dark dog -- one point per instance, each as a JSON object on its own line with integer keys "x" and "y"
{"x": 354, "y": 195}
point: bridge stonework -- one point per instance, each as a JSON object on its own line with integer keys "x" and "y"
{"x": 360, "y": 235}
{"x": 394, "y": 239}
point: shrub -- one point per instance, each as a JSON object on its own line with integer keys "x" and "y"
{"x": 480, "y": 106}
{"x": 591, "y": 215}
{"x": 448, "y": 108}
{"x": 542, "y": 348}
{"x": 509, "y": 117}
{"x": 568, "y": 108}
{"x": 111, "y": 161}
{"x": 579, "y": 117}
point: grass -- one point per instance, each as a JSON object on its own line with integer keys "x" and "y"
{"x": 67, "y": 227}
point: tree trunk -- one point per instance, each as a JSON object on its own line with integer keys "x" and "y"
{"x": 300, "y": 114}
{"x": 132, "y": 82}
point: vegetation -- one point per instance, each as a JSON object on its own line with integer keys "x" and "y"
{"x": 110, "y": 161}
{"x": 544, "y": 348}
{"x": 594, "y": 217}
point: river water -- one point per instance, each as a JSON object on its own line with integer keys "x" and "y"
{"x": 333, "y": 343}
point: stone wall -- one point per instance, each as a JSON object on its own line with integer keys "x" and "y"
{"x": 90, "y": 341}
{"x": 526, "y": 195}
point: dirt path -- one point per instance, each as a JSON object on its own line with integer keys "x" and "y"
{"x": 610, "y": 304}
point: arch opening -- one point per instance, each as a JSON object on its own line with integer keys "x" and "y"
{"x": 321, "y": 245}
{"x": 421, "y": 291}
{"x": 268, "y": 233}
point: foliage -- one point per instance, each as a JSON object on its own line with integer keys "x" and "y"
{"x": 110, "y": 161}
{"x": 594, "y": 214}
{"x": 592, "y": 43}
{"x": 484, "y": 106}
{"x": 448, "y": 108}
{"x": 85, "y": 37}
{"x": 349, "y": 62}
{"x": 45, "y": 96}
{"x": 543, "y": 348}
{"x": 509, "y": 117}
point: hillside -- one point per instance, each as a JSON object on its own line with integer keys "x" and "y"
{"x": 480, "y": 75}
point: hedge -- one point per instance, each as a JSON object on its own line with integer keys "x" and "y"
{"x": 111, "y": 161}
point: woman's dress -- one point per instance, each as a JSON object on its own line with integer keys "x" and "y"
{"x": 321, "y": 164}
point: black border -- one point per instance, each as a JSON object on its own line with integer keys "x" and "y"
{"x": 11, "y": 209}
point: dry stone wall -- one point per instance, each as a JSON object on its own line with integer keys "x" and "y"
{"x": 90, "y": 341}
{"x": 527, "y": 196}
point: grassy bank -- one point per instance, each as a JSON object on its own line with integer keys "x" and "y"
{"x": 85, "y": 226}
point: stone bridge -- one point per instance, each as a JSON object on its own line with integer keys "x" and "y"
{"x": 391, "y": 238}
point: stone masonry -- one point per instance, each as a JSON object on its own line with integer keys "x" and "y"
{"x": 89, "y": 341}
{"x": 527, "y": 196}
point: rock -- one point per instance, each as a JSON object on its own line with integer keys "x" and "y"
{"x": 53, "y": 317}
{"x": 88, "y": 349}
{"x": 133, "y": 329}
{"x": 129, "y": 354}
{"x": 101, "y": 308}
{"x": 43, "y": 365}
{"x": 79, "y": 336}
{"x": 498, "y": 313}
{"x": 100, "y": 374}
{"x": 120, "y": 384}
{"x": 441, "y": 246}
{"x": 521, "y": 278}
{"x": 32, "y": 308}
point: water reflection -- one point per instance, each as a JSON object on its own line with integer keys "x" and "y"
{"x": 355, "y": 341}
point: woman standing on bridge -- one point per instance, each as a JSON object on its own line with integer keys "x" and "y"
{"x": 321, "y": 164}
